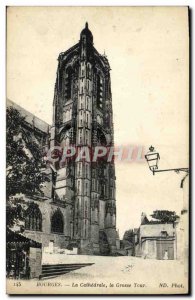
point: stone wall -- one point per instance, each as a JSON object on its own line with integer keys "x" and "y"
{"x": 61, "y": 240}
{"x": 35, "y": 259}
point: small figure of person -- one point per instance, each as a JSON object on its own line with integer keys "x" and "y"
{"x": 165, "y": 255}
{"x": 145, "y": 254}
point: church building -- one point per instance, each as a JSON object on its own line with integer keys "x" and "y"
{"x": 79, "y": 204}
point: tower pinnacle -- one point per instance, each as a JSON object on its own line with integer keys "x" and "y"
{"x": 87, "y": 34}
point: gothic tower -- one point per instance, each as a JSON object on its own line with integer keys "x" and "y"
{"x": 82, "y": 117}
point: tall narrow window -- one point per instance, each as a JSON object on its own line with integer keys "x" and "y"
{"x": 79, "y": 169}
{"x": 88, "y": 71}
{"x": 86, "y": 137}
{"x": 86, "y": 188}
{"x": 80, "y": 136}
{"x": 99, "y": 92}
{"x": 81, "y": 103}
{"x": 93, "y": 184}
{"x": 78, "y": 186}
{"x": 111, "y": 192}
{"x": 33, "y": 218}
{"x": 86, "y": 171}
{"x": 86, "y": 209}
{"x": 81, "y": 120}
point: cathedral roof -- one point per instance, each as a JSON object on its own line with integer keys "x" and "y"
{"x": 29, "y": 117}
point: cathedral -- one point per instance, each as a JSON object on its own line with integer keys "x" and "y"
{"x": 79, "y": 205}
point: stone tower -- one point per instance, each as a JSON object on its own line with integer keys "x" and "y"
{"x": 82, "y": 117}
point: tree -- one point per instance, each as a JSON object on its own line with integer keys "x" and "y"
{"x": 128, "y": 241}
{"x": 14, "y": 215}
{"x": 128, "y": 235}
{"x": 164, "y": 216}
{"x": 24, "y": 161}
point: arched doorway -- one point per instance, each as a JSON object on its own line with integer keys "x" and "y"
{"x": 57, "y": 222}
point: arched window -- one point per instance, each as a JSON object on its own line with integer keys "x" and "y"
{"x": 65, "y": 135}
{"x": 33, "y": 218}
{"x": 57, "y": 222}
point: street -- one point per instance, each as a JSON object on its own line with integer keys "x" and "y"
{"x": 124, "y": 274}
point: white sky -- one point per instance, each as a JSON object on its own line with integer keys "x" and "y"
{"x": 148, "y": 52}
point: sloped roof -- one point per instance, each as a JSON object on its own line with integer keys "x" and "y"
{"x": 13, "y": 238}
{"x": 29, "y": 117}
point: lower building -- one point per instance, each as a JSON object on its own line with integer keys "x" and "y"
{"x": 156, "y": 240}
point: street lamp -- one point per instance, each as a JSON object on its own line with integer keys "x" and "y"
{"x": 152, "y": 157}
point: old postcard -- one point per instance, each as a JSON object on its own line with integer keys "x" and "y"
{"x": 97, "y": 150}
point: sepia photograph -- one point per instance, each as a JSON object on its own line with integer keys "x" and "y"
{"x": 97, "y": 150}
